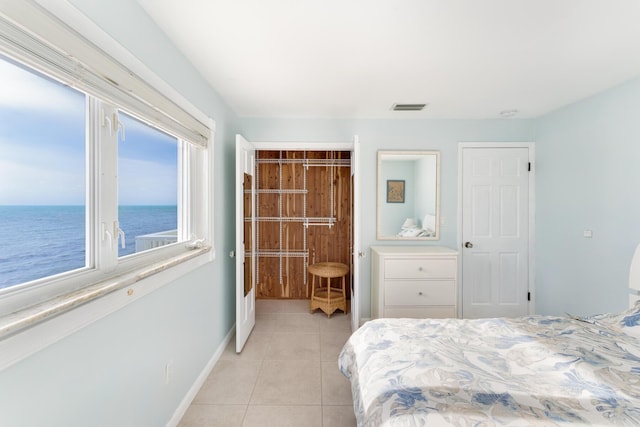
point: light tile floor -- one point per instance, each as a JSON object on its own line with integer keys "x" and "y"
{"x": 286, "y": 375}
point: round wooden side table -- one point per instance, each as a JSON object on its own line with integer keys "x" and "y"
{"x": 328, "y": 299}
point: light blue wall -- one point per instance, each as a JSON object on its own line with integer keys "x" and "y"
{"x": 405, "y": 134}
{"x": 588, "y": 177}
{"x": 111, "y": 373}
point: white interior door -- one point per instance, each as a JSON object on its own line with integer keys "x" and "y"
{"x": 245, "y": 238}
{"x": 495, "y": 231}
{"x": 355, "y": 269}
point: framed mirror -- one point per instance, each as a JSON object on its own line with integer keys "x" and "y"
{"x": 408, "y": 195}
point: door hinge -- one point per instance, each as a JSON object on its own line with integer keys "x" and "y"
{"x": 528, "y": 296}
{"x": 529, "y": 167}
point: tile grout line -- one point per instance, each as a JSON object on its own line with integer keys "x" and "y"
{"x": 255, "y": 383}
{"x": 281, "y": 311}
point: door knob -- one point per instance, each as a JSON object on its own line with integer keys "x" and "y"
{"x": 468, "y": 245}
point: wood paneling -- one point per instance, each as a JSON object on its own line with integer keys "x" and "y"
{"x": 285, "y": 246}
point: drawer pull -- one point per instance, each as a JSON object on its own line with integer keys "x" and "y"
{"x": 419, "y": 268}
{"x": 420, "y": 293}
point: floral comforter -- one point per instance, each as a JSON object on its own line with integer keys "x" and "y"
{"x": 518, "y": 372}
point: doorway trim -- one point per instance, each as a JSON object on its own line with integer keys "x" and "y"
{"x": 329, "y": 146}
{"x": 532, "y": 214}
{"x": 297, "y": 146}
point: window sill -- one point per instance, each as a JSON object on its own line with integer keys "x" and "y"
{"x": 29, "y": 330}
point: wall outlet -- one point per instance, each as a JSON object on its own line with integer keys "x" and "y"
{"x": 587, "y": 234}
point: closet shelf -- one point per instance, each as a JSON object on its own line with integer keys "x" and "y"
{"x": 277, "y": 191}
{"x": 277, "y": 254}
{"x": 318, "y": 224}
{"x": 309, "y": 220}
{"x": 308, "y": 162}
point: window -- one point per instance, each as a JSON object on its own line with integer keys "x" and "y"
{"x": 147, "y": 186}
{"x": 101, "y": 175}
{"x": 42, "y": 176}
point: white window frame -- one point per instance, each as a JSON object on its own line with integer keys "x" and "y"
{"x": 43, "y": 311}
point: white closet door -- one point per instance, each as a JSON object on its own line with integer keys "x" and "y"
{"x": 355, "y": 270}
{"x": 495, "y": 232}
{"x": 245, "y": 242}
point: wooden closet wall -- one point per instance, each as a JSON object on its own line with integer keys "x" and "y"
{"x": 303, "y": 216}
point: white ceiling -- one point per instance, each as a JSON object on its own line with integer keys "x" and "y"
{"x": 355, "y": 58}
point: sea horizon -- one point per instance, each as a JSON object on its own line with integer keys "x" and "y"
{"x": 43, "y": 240}
{"x": 81, "y": 205}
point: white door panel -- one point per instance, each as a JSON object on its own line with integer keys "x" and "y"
{"x": 495, "y": 223}
{"x": 355, "y": 269}
{"x": 245, "y": 236}
{"x": 509, "y": 267}
{"x": 481, "y": 206}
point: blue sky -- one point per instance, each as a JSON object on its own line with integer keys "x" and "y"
{"x": 42, "y": 147}
{"x": 147, "y": 165}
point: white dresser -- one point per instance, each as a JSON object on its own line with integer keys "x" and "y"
{"x": 414, "y": 281}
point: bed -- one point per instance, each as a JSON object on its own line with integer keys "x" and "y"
{"x": 533, "y": 370}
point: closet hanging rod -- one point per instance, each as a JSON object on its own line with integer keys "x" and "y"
{"x": 315, "y": 162}
{"x": 329, "y": 222}
{"x": 275, "y": 254}
{"x": 276, "y": 191}
{"x": 325, "y": 165}
{"x": 333, "y": 163}
{"x": 276, "y": 219}
{"x": 326, "y": 219}
{"x": 311, "y": 224}
{"x": 291, "y": 219}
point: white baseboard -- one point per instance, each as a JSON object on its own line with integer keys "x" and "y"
{"x": 193, "y": 391}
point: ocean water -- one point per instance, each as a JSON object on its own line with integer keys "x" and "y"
{"x": 39, "y": 241}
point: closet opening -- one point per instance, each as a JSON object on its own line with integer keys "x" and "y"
{"x": 303, "y": 215}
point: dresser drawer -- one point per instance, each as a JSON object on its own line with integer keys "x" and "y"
{"x": 414, "y": 281}
{"x": 419, "y": 268}
{"x": 421, "y": 313}
{"x": 419, "y": 292}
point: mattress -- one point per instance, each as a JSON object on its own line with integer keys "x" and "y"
{"x": 534, "y": 370}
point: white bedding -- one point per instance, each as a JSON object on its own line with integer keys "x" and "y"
{"x": 518, "y": 372}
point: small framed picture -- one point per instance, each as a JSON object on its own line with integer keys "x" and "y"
{"x": 395, "y": 191}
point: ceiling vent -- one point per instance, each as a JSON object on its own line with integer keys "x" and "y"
{"x": 508, "y": 113}
{"x": 408, "y": 107}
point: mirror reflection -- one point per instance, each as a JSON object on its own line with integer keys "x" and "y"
{"x": 408, "y": 195}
